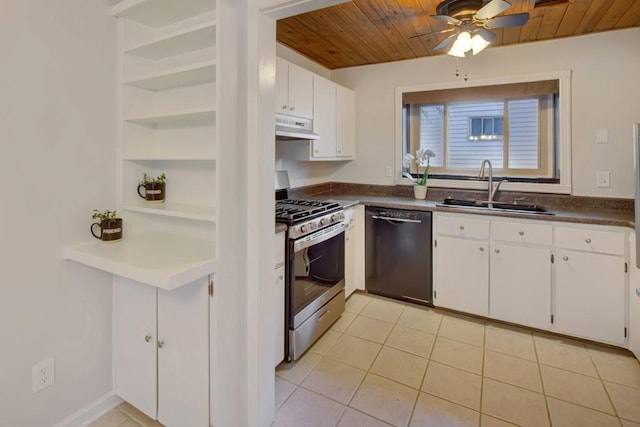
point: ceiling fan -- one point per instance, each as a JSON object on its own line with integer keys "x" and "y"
{"x": 471, "y": 21}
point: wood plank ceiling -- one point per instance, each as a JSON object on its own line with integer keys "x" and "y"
{"x": 374, "y": 31}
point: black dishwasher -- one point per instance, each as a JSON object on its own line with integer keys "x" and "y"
{"x": 398, "y": 254}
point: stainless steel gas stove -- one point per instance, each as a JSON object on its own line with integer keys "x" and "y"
{"x": 314, "y": 273}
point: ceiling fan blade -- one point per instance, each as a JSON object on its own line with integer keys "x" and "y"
{"x": 433, "y": 32}
{"x": 516, "y": 20}
{"x": 445, "y": 42}
{"x": 485, "y": 34}
{"x": 448, "y": 19}
{"x": 491, "y": 9}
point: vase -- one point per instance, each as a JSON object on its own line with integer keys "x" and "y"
{"x": 420, "y": 191}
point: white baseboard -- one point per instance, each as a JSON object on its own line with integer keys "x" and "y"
{"x": 94, "y": 410}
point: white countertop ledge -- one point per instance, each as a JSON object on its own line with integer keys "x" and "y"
{"x": 163, "y": 260}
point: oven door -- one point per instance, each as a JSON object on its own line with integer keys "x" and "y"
{"x": 316, "y": 272}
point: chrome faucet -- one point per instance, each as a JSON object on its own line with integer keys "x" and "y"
{"x": 491, "y": 192}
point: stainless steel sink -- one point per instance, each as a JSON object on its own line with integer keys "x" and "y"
{"x": 497, "y": 206}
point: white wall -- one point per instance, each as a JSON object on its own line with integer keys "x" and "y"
{"x": 606, "y": 94}
{"x": 57, "y": 133}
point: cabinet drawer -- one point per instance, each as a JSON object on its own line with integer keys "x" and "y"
{"x": 517, "y": 232}
{"x": 584, "y": 239}
{"x": 278, "y": 249}
{"x": 463, "y": 226}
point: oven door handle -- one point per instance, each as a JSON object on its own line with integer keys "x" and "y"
{"x": 387, "y": 218}
{"x": 321, "y": 237}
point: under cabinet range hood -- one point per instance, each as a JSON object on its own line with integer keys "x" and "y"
{"x": 293, "y": 128}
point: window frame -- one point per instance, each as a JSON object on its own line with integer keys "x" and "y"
{"x": 564, "y": 186}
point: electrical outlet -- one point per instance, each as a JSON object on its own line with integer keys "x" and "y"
{"x": 43, "y": 375}
{"x": 603, "y": 179}
{"x": 388, "y": 172}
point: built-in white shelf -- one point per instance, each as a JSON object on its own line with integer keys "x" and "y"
{"x": 198, "y": 116}
{"x": 159, "y": 13}
{"x": 178, "y": 77}
{"x": 167, "y": 261}
{"x": 186, "y": 40}
{"x": 176, "y": 210}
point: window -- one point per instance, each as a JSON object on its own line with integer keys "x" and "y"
{"x": 515, "y": 125}
{"x": 485, "y": 128}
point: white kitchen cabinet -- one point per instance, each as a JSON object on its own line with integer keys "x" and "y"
{"x": 520, "y": 272}
{"x": 345, "y": 122}
{"x": 634, "y": 300}
{"x": 590, "y": 283}
{"x": 354, "y": 249}
{"x": 590, "y": 296}
{"x": 520, "y": 283}
{"x": 294, "y": 90}
{"x": 324, "y": 117}
{"x": 462, "y": 274}
{"x": 461, "y": 265}
{"x": 333, "y": 114}
{"x": 333, "y": 120}
{"x": 278, "y": 299}
{"x": 162, "y": 351}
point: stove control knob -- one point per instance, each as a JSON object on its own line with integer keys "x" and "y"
{"x": 313, "y": 226}
{"x": 304, "y": 228}
{"x": 324, "y": 221}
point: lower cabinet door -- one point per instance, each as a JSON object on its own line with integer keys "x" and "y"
{"x": 590, "y": 296}
{"x": 183, "y": 355}
{"x": 462, "y": 275}
{"x": 279, "y": 321}
{"x": 135, "y": 344}
{"x": 521, "y": 285}
{"x": 350, "y": 263}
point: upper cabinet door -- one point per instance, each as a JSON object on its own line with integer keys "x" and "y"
{"x": 300, "y": 92}
{"x": 346, "y": 122}
{"x": 282, "y": 86}
{"x": 324, "y": 117}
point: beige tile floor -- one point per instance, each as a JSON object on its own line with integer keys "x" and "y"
{"x": 390, "y": 363}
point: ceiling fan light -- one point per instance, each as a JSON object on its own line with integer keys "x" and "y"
{"x": 463, "y": 42}
{"x": 478, "y": 43}
{"x": 454, "y": 51}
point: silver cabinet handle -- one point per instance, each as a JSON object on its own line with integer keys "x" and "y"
{"x": 284, "y": 107}
{"x": 160, "y": 344}
{"x": 292, "y": 108}
{"x": 587, "y": 240}
{"x": 565, "y": 258}
{"x": 462, "y": 227}
{"x": 497, "y": 251}
{"x": 481, "y": 249}
{"x": 147, "y": 338}
{"x": 521, "y": 233}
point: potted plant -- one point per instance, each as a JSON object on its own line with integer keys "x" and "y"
{"x": 154, "y": 188}
{"x": 110, "y": 226}
{"x": 421, "y": 159}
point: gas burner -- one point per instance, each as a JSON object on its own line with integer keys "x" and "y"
{"x": 305, "y": 216}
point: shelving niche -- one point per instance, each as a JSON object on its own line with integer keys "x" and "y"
{"x": 168, "y": 107}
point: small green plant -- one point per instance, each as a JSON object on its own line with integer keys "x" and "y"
{"x": 104, "y": 216}
{"x": 146, "y": 179}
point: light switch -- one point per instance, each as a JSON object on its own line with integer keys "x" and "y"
{"x": 602, "y": 136}
{"x": 603, "y": 179}
{"x": 388, "y": 172}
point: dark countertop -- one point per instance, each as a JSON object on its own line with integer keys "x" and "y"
{"x": 583, "y": 215}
